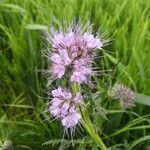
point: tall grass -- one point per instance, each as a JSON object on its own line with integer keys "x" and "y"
{"x": 21, "y": 84}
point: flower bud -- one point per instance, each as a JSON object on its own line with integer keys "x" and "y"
{"x": 122, "y": 93}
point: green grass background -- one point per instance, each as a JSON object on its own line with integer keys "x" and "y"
{"x": 22, "y": 23}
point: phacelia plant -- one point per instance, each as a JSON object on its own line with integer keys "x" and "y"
{"x": 71, "y": 59}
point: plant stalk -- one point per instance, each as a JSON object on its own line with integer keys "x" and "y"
{"x": 87, "y": 122}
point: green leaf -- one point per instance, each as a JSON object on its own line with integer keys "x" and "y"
{"x": 142, "y": 99}
{"x": 139, "y": 141}
{"x": 18, "y": 106}
{"x": 36, "y": 27}
{"x": 13, "y": 7}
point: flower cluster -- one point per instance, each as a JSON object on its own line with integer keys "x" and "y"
{"x": 123, "y": 93}
{"x": 64, "y": 107}
{"x": 72, "y": 54}
{"x": 73, "y": 50}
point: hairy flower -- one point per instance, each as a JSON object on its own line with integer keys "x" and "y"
{"x": 123, "y": 93}
{"x": 75, "y": 49}
{"x": 64, "y": 107}
{"x": 71, "y": 119}
{"x": 81, "y": 71}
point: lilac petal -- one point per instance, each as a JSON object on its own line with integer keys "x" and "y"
{"x": 64, "y": 55}
{"x": 64, "y": 109}
{"x": 78, "y": 98}
{"x": 58, "y": 40}
{"x": 55, "y": 111}
{"x": 70, "y": 39}
{"x": 56, "y": 58}
{"x": 78, "y": 77}
{"x": 58, "y": 70}
{"x": 91, "y": 42}
{"x": 56, "y": 102}
{"x": 71, "y": 120}
{"x": 57, "y": 92}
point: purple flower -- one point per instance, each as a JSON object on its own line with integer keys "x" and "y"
{"x": 75, "y": 49}
{"x": 71, "y": 119}
{"x": 81, "y": 71}
{"x": 91, "y": 41}
{"x": 64, "y": 107}
{"x": 57, "y": 40}
{"x": 58, "y": 92}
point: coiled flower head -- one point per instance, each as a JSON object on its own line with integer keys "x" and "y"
{"x": 123, "y": 93}
{"x": 74, "y": 49}
{"x": 64, "y": 107}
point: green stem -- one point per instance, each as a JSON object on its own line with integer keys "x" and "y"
{"x": 87, "y": 122}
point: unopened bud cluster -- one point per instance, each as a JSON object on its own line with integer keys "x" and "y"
{"x": 122, "y": 93}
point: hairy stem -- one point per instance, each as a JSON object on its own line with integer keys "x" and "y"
{"x": 87, "y": 122}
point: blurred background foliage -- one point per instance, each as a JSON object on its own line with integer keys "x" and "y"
{"x": 22, "y": 26}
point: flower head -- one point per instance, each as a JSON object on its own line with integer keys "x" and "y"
{"x": 64, "y": 107}
{"x": 75, "y": 49}
{"x": 123, "y": 93}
